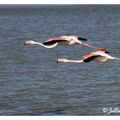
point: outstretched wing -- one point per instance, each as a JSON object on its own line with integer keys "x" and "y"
{"x": 82, "y": 39}
{"x": 91, "y": 58}
{"x": 53, "y": 40}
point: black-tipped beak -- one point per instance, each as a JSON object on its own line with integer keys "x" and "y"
{"x": 83, "y": 39}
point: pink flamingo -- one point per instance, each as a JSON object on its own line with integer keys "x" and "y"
{"x": 101, "y": 55}
{"x": 61, "y": 40}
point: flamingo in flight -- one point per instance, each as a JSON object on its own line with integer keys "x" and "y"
{"x": 101, "y": 55}
{"x": 61, "y": 40}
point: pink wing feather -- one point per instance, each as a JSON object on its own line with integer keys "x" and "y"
{"x": 54, "y": 38}
{"x": 88, "y": 55}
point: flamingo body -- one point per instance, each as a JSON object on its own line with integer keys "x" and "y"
{"x": 61, "y": 40}
{"x": 65, "y": 40}
{"x": 99, "y": 56}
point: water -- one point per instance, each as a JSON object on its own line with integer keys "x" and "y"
{"x": 32, "y": 83}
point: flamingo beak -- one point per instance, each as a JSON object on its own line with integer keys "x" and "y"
{"x": 82, "y": 39}
{"x": 25, "y": 43}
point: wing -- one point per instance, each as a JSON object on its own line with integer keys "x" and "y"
{"x": 82, "y": 39}
{"x": 91, "y": 58}
{"x": 53, "y": 40}
{"x": 89, "y": 55}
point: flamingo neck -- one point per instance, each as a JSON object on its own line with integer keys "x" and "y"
{"x": 69, "y": 61}
{"x": 75, "y": 61}
{"x": 46, "y": 46}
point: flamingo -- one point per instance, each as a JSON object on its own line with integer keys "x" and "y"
{"x": 101, "y": 55}
{"x": 61, "y": 40}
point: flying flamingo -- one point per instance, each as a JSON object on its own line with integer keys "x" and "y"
{"x": 101, "y": 55}
{"x": 61, "y": 40}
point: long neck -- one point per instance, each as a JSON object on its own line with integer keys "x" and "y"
{"x": 46, "y": 46}
{"x": 85, "y": 44}
{"x": 75, "y": 61}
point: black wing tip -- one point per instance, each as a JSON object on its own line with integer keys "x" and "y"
{"x": 89, "y": 59}
{"x": 107, "y": 52}
{"x": 83, "y": 39}
{"x": 53, "y": 42}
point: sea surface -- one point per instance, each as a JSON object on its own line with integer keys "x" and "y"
{"x": 32, "y": 83}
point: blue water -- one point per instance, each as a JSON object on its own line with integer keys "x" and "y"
{"x": 32, "y": 83}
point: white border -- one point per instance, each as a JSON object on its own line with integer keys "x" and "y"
{"x": 60, "y": 118}
{"x": 59, "y": 1}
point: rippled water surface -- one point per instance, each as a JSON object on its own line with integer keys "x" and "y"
{"x": 32, "y": 83}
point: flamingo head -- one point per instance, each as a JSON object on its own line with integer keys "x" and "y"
{"x": 62, "y": 60}
{"x": 29, "y": 42}
{"x": 103, "y": 50}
